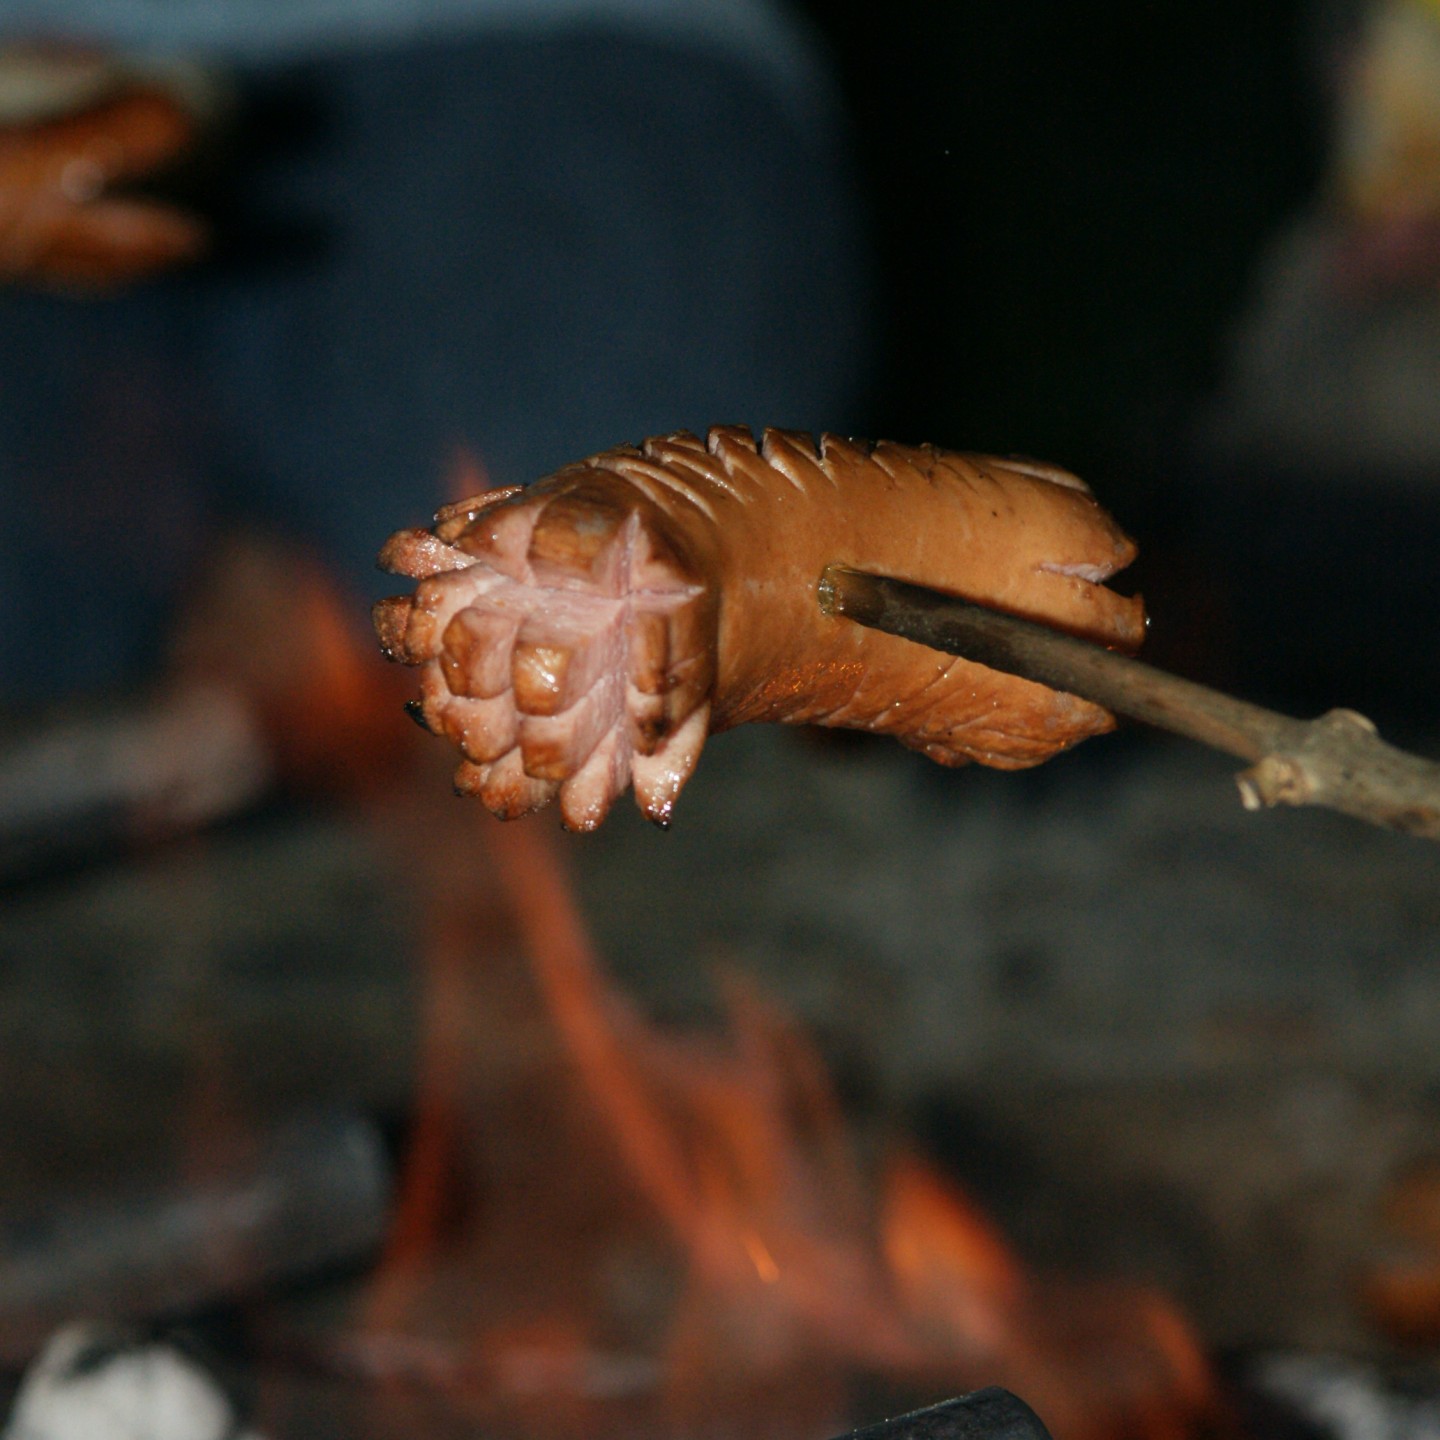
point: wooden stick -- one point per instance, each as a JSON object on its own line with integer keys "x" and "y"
{"x": 1337, "y": 761}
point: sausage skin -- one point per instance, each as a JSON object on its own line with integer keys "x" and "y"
{"x": 590, "y": 630}
{"x": 62, "y": 225}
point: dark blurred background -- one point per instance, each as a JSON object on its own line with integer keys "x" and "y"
{"x": 1068, "y": 204}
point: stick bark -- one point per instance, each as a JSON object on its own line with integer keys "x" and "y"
{"x": 1337, "y": 761}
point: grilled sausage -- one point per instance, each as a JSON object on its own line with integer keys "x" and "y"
{"x": 590, "y": 630}
{"x": 61, "y": 222}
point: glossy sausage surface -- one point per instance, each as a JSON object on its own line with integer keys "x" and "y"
{"x": 590, "y": 630}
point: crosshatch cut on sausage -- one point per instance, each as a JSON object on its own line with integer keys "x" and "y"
{"x": 587, "y": 632}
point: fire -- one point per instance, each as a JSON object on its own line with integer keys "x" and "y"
{"x": 1093, "y": 1360}
{"x": 611, "y": 1226}
{"x": 270, "y": 626}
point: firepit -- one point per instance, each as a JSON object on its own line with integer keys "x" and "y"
{"x": 1228, "y": 1139}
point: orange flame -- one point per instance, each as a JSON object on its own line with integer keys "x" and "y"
{"x": 675, "y": 1235}
{"x": 271, "y": 624}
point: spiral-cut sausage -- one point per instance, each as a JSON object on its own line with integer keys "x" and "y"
{"x": 590, "y": 630}
{"x": 61, "y": 222}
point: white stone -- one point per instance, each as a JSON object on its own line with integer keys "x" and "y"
{"x": 85, "y": 1386}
